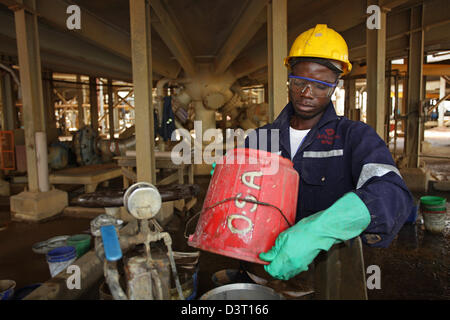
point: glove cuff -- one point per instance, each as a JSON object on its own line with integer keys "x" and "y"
{"x": 347, "y": 218}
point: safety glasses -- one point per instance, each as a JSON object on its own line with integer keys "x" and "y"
{"x": 317, "y": 88}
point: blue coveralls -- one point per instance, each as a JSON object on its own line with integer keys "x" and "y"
{"x": 338, "y": 156}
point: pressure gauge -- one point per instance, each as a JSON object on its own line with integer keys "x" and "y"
{"x": 142, "y": 200}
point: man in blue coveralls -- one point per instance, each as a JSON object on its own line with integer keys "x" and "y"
{"x": 349, "y": 184}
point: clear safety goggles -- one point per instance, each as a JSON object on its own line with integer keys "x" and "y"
{"x": 317, "y": 88}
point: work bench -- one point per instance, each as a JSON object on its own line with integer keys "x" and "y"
{"x": 89, "y": 176}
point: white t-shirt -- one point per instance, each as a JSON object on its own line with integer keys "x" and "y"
{"x": 296, "y": 137}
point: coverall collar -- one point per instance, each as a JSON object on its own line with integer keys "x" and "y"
{"x": 282, "y": 122}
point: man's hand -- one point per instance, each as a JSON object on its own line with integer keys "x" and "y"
{"x": 294, "y": 250}
{"x": 297, "y": 247}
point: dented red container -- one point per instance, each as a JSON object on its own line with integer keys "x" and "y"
{"x": 235, "y": 228}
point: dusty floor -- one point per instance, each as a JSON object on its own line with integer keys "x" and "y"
{"x": 416, "y": 266}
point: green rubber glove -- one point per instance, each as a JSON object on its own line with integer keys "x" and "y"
{"x": 213, "y": 168}
{"x": 296, "y": 247}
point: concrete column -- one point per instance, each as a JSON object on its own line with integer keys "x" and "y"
{"x": 42, "y": 161}
{"x": 142, "y": 78}
{"x": 441, "y": 108}
{"x": 415, "y": 88}
{"x": 93, "y": 101}
{"x": 33, "y": 205}
{"x": 32, "y": 93}
{"x": 277, "y": 51}
{"x": 8, "y": 104}
{"x": 376, "y": 66}
{"x": 404, "y": 103}
{"x": 111, "y": 109}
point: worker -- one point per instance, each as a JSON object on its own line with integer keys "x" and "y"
{"x": 349, "y": 184}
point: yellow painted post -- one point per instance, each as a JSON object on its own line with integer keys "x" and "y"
{"x": 277, "y": 51}
{"x": 376, "y": 69}
{"x": 142, "y": 79}
{"x": 31, "y": 86}
{"x": 415, "y": 87}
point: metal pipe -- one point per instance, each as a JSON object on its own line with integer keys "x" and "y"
{"x": 112, "y": 279}
{"x": 168, "y": 242}
{"x": 14, "y": 76}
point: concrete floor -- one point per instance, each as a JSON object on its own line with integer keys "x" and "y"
{"x": 415, "y": 266}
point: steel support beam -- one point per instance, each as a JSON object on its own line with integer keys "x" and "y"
{"x": 72, "y": 48}
{"x": 277, "y": 51}
{"x": 390, "y": 4}
{"x": 96, "y": 32}
{"x": 253, "y": 60}
{"x": 171, "y": 36}
{"x": 93, "y": 29}
{"x": 350, "y": 99}
{"x": 376, "y": 70}
{"x": 111, "y": 110}
{"x": 249, "y": 23}
{"x": 340, "y": 15}
{"x": 142, "y": 79}
{"x": 58, "y": 62}
{"x": 80, "y": 99}
{"x": 415, "y": 87}
{"x": 438, "y": 70}
{"x": 93, "y": 101}
{"x": 353, "y": 29}
{"x": 435, "y": 25}
{"x": 441, "y": 109}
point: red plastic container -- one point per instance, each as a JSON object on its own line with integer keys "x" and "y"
{"x": 241, "y": 229}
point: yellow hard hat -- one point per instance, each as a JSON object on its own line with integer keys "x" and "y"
{"x": 321, "y": 42}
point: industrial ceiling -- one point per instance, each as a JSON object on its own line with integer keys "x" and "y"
{"x": 230, "y": 34}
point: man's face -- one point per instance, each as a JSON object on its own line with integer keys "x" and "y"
{"x": 307, "y": 106}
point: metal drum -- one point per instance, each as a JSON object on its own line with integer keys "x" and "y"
{"x": 242, "y": 291}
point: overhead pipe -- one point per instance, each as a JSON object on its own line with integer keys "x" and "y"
{"x": 14, "y": 76}
{"x": 209, "y": 93}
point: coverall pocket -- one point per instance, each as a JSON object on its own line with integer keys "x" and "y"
{"x": 322, "y": 171}
{"x": 321, "y": 180}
